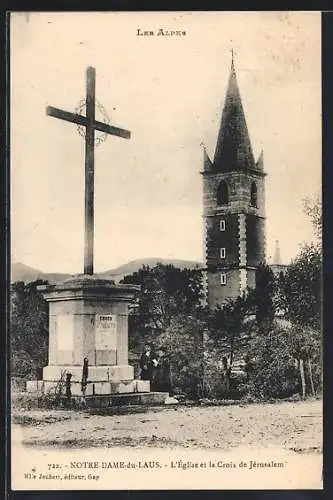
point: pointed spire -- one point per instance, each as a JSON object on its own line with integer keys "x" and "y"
{"x": 233, "y": 148}
{"x": 206, "y": 160}
{"x": 277, "y": 254}
{"x": 260, "y": 161}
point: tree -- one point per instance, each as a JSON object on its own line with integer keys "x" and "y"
{"x": 183, "y": 341}
{"x": 312, "y": 208}
{"x": 300, "y": 299}
{"x": 262, "y": 298}
{"x": 28, "y": 329}
{"x": 225, "y": 326}
{"x": 166, "y": 291}
{"x": 300, "y": 288}
{"x": 305, "y": 346}
{"x": 272, "y": 372}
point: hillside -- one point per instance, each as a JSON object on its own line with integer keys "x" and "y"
{"x": 21, "y": 272}
{"x": 134, "y": 265}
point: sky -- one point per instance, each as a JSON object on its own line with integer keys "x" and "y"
{"x": 169, "y": 92}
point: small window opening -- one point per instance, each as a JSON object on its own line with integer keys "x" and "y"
{"x": 222, "y": 194}
{"x": 254, "y": 195}
{"x": 223, "y": 278}
{"x": 222, "y": 253}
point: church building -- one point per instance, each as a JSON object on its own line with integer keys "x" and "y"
{"x": 234, "y": 205}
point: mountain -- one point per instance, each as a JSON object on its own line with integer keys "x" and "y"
{"x": 134, "y": 265}
{"x": 21, "y": 272}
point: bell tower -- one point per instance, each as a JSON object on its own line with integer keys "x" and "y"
{"x": 234, "y": 205}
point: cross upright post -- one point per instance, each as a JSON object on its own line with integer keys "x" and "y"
{"x": 90, "y": 125}
{"x": 89, "y": 173}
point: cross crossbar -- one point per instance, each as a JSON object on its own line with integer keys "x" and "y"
{"x": 90, "y": 125}
{"x": 83, "y": 121}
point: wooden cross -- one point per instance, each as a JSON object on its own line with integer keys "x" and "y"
{"x": 91, "y": 125}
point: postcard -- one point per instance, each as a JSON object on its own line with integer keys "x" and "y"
{"x": 166, "y": 254}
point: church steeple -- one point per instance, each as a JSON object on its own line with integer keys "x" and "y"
{"x": 233, "y": 149}
{"x": 234, "y": 205}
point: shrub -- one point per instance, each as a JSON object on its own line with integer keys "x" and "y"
{"x": 273, "y": 362}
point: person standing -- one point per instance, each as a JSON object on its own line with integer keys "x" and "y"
{"x": 162, "y": 376}
{"x": 84, "y": 380}
{"x": 146, "y": 364}
{"x": 226, "y": 375}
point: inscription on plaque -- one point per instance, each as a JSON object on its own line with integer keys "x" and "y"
{"x": 106, "y": 332}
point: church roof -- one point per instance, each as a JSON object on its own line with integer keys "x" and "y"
{"x": 233, "y": 149}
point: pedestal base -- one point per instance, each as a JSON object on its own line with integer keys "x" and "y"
{"x": 140, "y": 399}
{"x": 51, "y": 387}
{"x": 141, "y": 396}
{"x": 88, "y": 320}
{"x": 111, "y": 373}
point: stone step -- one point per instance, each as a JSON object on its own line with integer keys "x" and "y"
{"x": 92, "y": 389}
{"x": 142, "y": 398}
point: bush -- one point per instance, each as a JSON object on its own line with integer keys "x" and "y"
{"x": 182, "y": 340}
{"x": 215, "y": 384}
{"x": 23, "y": 365}
{"x": 28, "y": 330}
{"x": 272, "y": 365}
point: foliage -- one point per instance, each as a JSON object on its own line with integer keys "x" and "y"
{"x": 166, "y": 291}
{"x": 306, "y": 345}
{"x": 227, "y": 322}
{"x": 273, "y": 360}
{"x": 182, "y": 340}
{"x": 312, "y": 208}
{"x": 285, "y": 355}
{"x": 28, "y": 329}
{"x": 262, "y": 298}
{"x": 220, "y": 383}
{"x": 270, "y": 368}
{"x": 300, "y": 288}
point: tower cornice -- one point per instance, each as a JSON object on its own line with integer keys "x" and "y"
{"x": 251, "y": 171}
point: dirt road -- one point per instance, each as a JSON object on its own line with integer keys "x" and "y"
{"x": 290, "y": 426}
{"x": 271, "y": 446}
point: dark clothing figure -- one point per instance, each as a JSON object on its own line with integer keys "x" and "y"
{"x": 84, "y": 380}
{"x": 162, "y": 375}
{"x": 68, "y": 388}
{"x": 146, "y": 365}
{"x": 226, "y": 374}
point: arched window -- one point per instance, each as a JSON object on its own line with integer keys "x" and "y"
{"x": 254, "y": 195}
{"x": 222, "y": 194}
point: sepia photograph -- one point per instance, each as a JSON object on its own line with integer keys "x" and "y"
{"x": 166, "y": 250}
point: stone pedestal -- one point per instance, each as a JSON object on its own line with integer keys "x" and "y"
{"x": 88, "y": 317}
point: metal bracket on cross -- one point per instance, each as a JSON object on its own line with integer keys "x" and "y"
{"x": 81, "y": 110}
